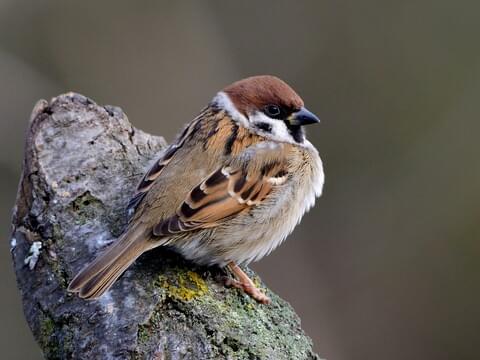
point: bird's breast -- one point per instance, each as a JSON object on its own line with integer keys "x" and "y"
{"x": 257, "y": 233}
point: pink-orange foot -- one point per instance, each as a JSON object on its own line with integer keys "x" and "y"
{"x": 244, "y": 283}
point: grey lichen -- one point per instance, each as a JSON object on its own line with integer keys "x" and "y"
{"x": 82, "y": 162}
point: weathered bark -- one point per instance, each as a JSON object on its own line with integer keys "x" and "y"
{"x": 82, "y": 162}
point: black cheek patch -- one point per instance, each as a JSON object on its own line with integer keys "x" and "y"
{"x": 264, "y": 126}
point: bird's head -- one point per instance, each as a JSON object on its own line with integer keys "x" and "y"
{"x": 267, "y": 106}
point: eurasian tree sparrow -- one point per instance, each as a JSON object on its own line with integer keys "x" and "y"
{"x": 227, "y": 191}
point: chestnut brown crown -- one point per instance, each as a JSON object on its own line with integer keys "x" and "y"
{"x": 256, "y": 92}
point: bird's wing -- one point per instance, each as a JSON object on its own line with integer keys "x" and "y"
{"x": 244, "y": 182}
{"x": 156, "y": 169}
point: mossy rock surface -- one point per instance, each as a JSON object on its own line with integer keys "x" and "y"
{"x": 82, "y": 162}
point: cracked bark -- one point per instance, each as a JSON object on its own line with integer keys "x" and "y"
{"x": 82, "y": 162}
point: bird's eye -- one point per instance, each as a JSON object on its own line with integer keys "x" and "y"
{"x": 272, "y": 110}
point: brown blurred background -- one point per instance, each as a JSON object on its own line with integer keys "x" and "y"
{"x": 386, "y": 266}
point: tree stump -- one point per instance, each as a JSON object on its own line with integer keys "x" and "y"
{"x": 82, "y": 162}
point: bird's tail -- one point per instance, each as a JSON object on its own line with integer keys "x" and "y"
{"x": 98, "y": 276}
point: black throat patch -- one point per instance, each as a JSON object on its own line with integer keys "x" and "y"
{"x": 297, "y": 132}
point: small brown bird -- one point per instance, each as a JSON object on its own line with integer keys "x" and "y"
{"x": 227, "y": 191}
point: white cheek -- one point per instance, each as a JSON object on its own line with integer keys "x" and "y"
{"x": 279, "y": 128}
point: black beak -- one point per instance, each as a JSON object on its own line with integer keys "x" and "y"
{"x": 303, "y": 117}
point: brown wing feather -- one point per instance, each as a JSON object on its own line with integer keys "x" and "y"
{"x": 156, "y": 169}
{"x": 225, "y": 193}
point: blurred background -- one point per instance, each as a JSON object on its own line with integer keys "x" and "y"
{"x": 386, "y": 266}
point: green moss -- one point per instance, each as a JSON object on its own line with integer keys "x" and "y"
{"x": 47, "y": 340}
{"x": 47, "y": 328}
{"x": 54, "y": 337}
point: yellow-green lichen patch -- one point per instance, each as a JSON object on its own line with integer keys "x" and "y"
{"x": 188, "y": 286}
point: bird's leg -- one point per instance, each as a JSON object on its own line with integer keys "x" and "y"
{"x": 244, "y": 283}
